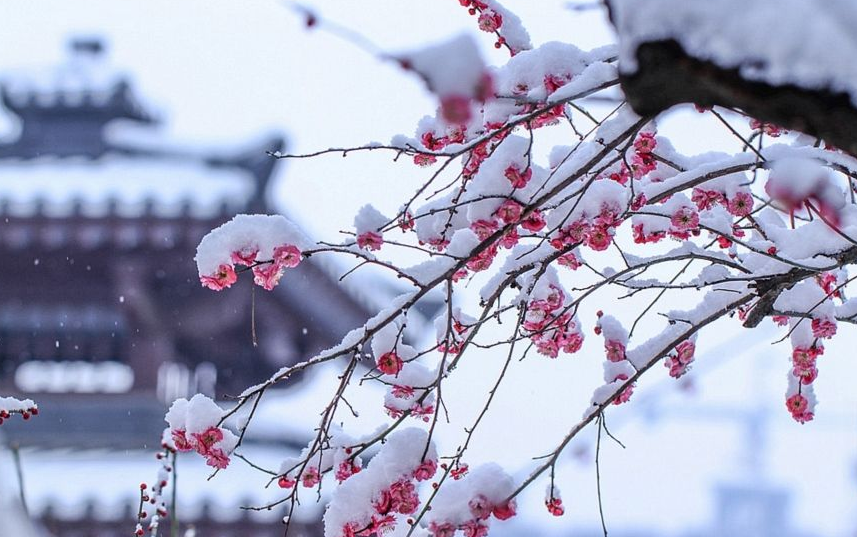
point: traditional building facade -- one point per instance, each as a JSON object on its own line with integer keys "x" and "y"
{"x": 102, "y": 317}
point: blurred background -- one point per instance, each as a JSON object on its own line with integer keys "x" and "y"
{"x": 128, "y": 130}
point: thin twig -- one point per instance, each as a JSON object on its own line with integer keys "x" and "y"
{"x": 19, "y": 472}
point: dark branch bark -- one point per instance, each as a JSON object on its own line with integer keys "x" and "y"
{"x": 667, "y": 76}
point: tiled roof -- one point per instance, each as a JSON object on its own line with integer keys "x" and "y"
{"x": 72, "y": 158}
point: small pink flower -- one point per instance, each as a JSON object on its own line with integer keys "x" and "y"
{"x": 643, "y": 163}
{"x": 505, "y": 511}
{"x": 803, "y": 357}
{"x": 403, "y": 497}
{"x": 267, "y": 276}
{"x": 607, "y": 218}
{"x": 389, "y": 363}
{"x": 639, "y": 202}
{"x": 534, "y": 222}
{"x": 380, "y": 525}
{"x": 621, "y": 177}
{"x": 443, "y": 529}
{"x": 246, "y": 256}
{"x": 685, "y": 351}
{"x": 483, "y": 259}
{"x": 780, "y": 320}
{"x": 741, "y": 204}
{"x": 555, "y": 507}
{"x": 425, "y": 470}
{"x": 438, "y": 243}
{"x": 402, "y": 392}
{"x": 823, "y": 327}
{"x": 798, "y": 406}
{"x": 615, "y": 350}
{"x": 480, "y": 507}
{"x": 626, "y": 394}
{"x": 599, "y": 238}
{"x": 346, "y": 469}
{"x": 685, "y": 219}
{"x": 423, "y": 160}
{"x": 641, "y": 237}
{"x": 806, "y": 375}
{"x": 406, "y": 222}
{"x": 287, "y": 256}
{"x": 455, "y": 109}
{"x": 422, "y": 411}
{"x": 222, "y": 279}
{"x": 706, "y": 199}
{"x": 459, "y": 472}
{"x": 517, "y": 178}
{"x": 216, "y": 458}
{"x": 509, "y": 239}
{"x": 645, "y": 142}
{"x": 310, "y": 477}
{"x": 370, "y": 240}
{"x": 394, "y": 412}
{"x": 554, "y": 82}
{"x": 509, "y": 212}
{"x": 180, "y": 440}
{"x": 432, "y": 142}
{"x": 205, "y": 440}
{"x": 828, "y": 282}
{"x": 796, "y": 403}
{"x": 484, "y": 228}
{"x": 569, "y": 260}
{"x": 473, "y": 528}
{"x": 770, "y": 129}
{"x": 489, "y": 21}
{"x": 572, "y": 343}
{"x": 676, "y": 368}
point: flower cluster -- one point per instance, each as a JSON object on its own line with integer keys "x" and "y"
{"x": 643, "y": 160}
{"x": 617, "y": 368}
{"x": 740, "y": 204}
{"x": 268, "y": 245}
{"x": 596, "y": 233}
{"x": 193, "y": 426}
{"x": 489, "y": 20}
{"x": 399, "y": 498}
{"x": 339, "y": 458}
{"x": 411, "y": 394}
{"x": 9, "y": 406}
{"x": 452, "y": 333}
{"x": 679, "y": 360}
{"x": 552, "y": 327}
{"x": 372, "y": 501}
{"x": 469, "y": 501}
{"x": 154, "y": 495}
{"x": 368, "y": 224}
{"x": 553, "y": 501}
{"x": 774, "y": 131}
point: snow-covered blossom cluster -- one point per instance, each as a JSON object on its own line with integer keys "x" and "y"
{"x": 267, "y": 245}
{"x": 10, "y": 406}
{"x": 194, "y": 426}
{"x": 152, "y": 496}
{"x": 375, "y": 500}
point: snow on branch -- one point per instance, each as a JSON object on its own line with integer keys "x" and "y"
{"x": 783, "y": 62}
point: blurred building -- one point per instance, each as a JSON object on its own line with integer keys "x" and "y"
{"x": 102, "y": 317}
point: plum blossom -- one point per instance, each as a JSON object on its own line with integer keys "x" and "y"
{"x": 193, "y": 426}
{"x": 222, "y": 279}
{"x": 390, "y": 363}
